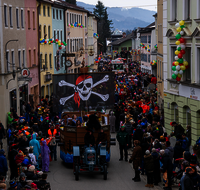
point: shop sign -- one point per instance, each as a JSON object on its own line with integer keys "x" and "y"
{"x": 189, "y": 92}
{"x": 25, "y": 72}
{"x": 26, "y": 79}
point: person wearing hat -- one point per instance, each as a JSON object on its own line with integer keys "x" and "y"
{"x": 187, "y": 183}
{"x": 3, "y": 163}
{"x": 36, "y": 146}
{"x": 13, "y": 185}
{"x": 123, "y": 139}
{"x": 149, "y": 167}
{"x": 31, "y": 174}
{"x": 22, "y": 181}
{"x": 89, "y": 138}
{"x": 178, "y": 130}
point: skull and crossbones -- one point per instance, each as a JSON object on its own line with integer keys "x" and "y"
{"x": 83, "y": 89}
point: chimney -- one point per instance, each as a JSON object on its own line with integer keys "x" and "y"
{"x": 124, "y": 34}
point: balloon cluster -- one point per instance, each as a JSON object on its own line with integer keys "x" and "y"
{"x": 95, "y": 35}
{"x": 179, "y": 65}
{"x": 156, "y": 46}
{"x": 72, "y": 25}
{"x": 154, "y": 62}
{"x": 145, "y": 47}
{"x": 61, "y": 45}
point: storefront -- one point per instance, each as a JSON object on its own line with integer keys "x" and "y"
{"x": 23, "y": 96}
{"x": 13, "y": 99}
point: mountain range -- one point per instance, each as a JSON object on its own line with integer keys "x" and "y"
{"x": 125, "y": 19}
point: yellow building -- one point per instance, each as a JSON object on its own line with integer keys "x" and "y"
{"x": 46, "y": 50}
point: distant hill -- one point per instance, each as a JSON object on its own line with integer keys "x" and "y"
{"x": 126, "y": 19}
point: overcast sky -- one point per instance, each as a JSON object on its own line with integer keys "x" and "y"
{"x": 145, "y": 4}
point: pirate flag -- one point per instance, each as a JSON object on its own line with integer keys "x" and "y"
{"x": 75, "y": 92}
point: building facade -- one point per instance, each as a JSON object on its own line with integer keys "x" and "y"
{"x": 46, "y": 51}
{"x": 182, "y": 99}
{"x": 32, "y": 50}
{"x": 12, "y": 57}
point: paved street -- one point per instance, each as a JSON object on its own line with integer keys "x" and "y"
{"x": 119, "y": 176}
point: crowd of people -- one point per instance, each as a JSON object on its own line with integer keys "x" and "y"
{"x": 140, "y": 125}
{"x": 31, "y": 145}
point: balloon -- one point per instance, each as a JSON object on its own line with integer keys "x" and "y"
{"x": 185, "y": 63}
{"x": 183, "y": 67}
{"x": 182, "y": 51}
{"x": 182, "y": 33}
{"x": 179, "y": 75}
{"x": 176, "y": 63}
{"x": 182, "y": 40}
{"x": 174, "y": 76}
{"x": 179, "y": 48}
{"x": 187, "y": 67}
{"x": 180, "y": 72}
{"x": 178, "y": 36}
{"x": 180, "y": 60}
{"x": 181, "y": 23}
{"x": 177, "y": 25}
{"x": 176, "y": 57}
{"x": 183, "y": 26}
{"x": 178, "y": 67}
{"x": 178, "y": 79}
{"x": 182, "y": 46}
{"x": 177, "y": 52}
{"x": 178, "y": 42}
{"x": 174, "y": 68}
{"x": 178, "y": 29}
{"x": 180, "y": 55}
{"x": 176, "y": 72}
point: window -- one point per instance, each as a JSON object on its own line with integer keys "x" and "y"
{"x": 73, "y": 45}
{"x": 5, "y": 16}
{"x": 19, "y": 58}
{"x": 198, "y": 9}
{"x": 75, "y": 70}
{"x": 60, "y": 15}
{"x": 143, "y": 39}
{"x": 70, "y": 18}
{"x": 23, "y": 57}
{"x": 22, "y": 18}
{"x": 10, "y": 14}
{"x": 57, "y": 14}
{"x": 187, "y": 74}
{"x": 45, "y": 36}
{"x": 58, "y": 35}
{"x": 61, "y": 36}
{"x": 160, "y": 33}
{"x": 70, "y": 45}
{"x": 67, "y": 18}
{"x": 33, "y": 20}
{"x": 17, "y": 17}
{"x": 53, "y": 13}
{"x": 29, "y": 58}
{"x": 45, "y": 59}
{"x": 39, "y": 10}
{"x": 13, "y": 58}
{"x": 77, "y": 19}
{"x": 42, "y": 91}
{"x": 55, "y": 60}
{"x": 144, "y": 57}
{"x": 158, "y": 66}
{"x": 85, "y": 21}
{"x": 54, "y": 34}
{"x": 81, "y": 20}
{"x": 44, "y": 12}
{"x": 29, "y": 20}
{"x": 149, "y": 39}
{"x": 8, "y": 59}
{"x": 161, "y": 67}
{"x": 67, "y": 45}
{"x": 149, "y": 59}
{"x": 198, "y": 63}
{"x": 34, "y": 54}
{"x": 85, "y": 43}
{"x": 49, "y": 32}
{"x": 187, "y": 9}
{"x": 48, "y": 11}
{"x": 50, "y": 63}
{"x": 40, "y": 61}
{"x": 40, "y": 36}
{"x": 174, "y": 10}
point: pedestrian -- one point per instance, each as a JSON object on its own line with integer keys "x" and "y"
{"x": 112, "y": 119}
{"x": 178, "y": 153}
{"x": 187, "y": 181}
{"x": 170, "y": 150}
{"x": 149, "y": 167}
{"x": 156, "y": 163}
{"x": 13, "y": 185}
{"x": 122, "y": 138}
{"x": 52, "y": 132}
{"x": 3, "y": 186}
{"x": 185, "y": 142}
{"x": 136, "y": 158}
{"x": 2, "y": 134}
{"x": 3, "y": 163}
{"x": 188, "y": 134}
{"x": 45, "y": 156}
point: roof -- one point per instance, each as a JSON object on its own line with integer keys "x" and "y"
{"x": 148, "y": 28}
{"x": 122, "y": 40}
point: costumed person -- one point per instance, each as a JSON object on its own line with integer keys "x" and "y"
{"x": 112, "y": 119}
{"x": 36, "y": 146}
{"x": 136, "y": 158}
{"x": 45, "y": 156}
{"x": 89, "y": 138}
{"x": 122, "y": 138}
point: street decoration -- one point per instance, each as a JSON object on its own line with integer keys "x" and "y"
{"x": 61, "y": 45}
{"x": 154, "y": 62}
{"x": 74, "y": 25}
{"x": 179, "y": 65}
{"x": 148, "y": 47}
{"x": 95, "y": 35}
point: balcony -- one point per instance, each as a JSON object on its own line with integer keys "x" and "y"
{"x": 48, "y": 77}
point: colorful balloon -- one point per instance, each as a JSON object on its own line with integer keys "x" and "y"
{"x": 180, "y": 72}
{"x": 182, "y": 67}
{"x": 185, "y": 63}
{"x": 182, "y": 40}
{"x": 179, "y": 48}
{"x": 180, "y": 60}
{"x": 177, "y": 25}
{"x": 178, "y": 36}
{"x": 178, "y": 79}
{"x": 182, "y": 46}
{"x": 182, "y": 51}
{"x": 176, "y": 63}
{"x": 182, "y": 23}
{"x": 178, "y": 43}
{"x": 180, "y": 55}
{"x": 178, "y": 67}
{"x": 179, "y": 75}
{"x": 176, "y": 72}
{"x": 182, "y": 33}
{"x": 174, "y": 68}
{"x": 174, "y": 76}
{"x": 178, "y": 29}
{"x": 176, "y": 57}
{"x": 177, "y": 52}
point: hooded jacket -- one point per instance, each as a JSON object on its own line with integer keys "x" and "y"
{"x": 36, "y": 146}
{"x": 10, "y": 119}
{"x": 3, "y": 164}
{"x": 170, "y": 152}
{"x": 148, "y": 163}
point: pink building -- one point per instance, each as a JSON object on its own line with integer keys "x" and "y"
{"x": 32, "y": 49}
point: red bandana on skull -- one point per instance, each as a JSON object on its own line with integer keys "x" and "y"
{"x": 78, "y": 81}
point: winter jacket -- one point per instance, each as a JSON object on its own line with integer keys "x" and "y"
{"x": 185, "y": 144}
{"x": 89, "y": 139}
{"x": 36, "y": 146}
{"x": 178, "y": 152}
{"x": 19, "y": 159}
{"x": 156, "y": 161}
{"x": 148, "y": 163}
{"x": 170, "y": 152}
{"x": 136, "y": 157}
{"x": 10, "y": 119}
{"x": 112, "y": 119}
{"x": 122, "y": 137}
{"x": 32, "y": 158}
{"x": 167, "y": 163}
{"x": 187, "y": 182}
{"x": 2, "y": 131}
{"x": 129, "y": 128}
{"x": 3, "y": 164}
{"x": 178, "y": 130}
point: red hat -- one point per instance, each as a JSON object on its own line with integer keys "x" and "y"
{"x": 82, "y": 78}
{"x": 33, "y": 185}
